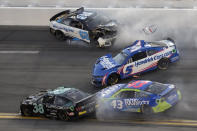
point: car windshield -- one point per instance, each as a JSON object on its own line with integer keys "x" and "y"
{"x": 119, "y": 58}
{"x": 97, "y": 20}
{"x": 156, "y": 88}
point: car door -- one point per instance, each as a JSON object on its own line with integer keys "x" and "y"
{"x": 61, "y": 102}
{"x": 48, "y": 104}
{"x": 130, "y": 100}
{"x": 131, "y": 67}
{"x": 78, "y": 31}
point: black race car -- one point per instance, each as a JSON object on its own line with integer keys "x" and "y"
{"x": 87, "y": 26}
{"x": 61, "y": 103}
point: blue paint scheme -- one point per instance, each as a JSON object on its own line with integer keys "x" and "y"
{"x": 106, "y": 65}
{"x": 134, "y": 104}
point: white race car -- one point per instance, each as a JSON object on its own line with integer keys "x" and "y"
{"x": 83, "y": 25}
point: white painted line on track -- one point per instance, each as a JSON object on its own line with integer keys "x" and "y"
{"x": 19, "y": 52}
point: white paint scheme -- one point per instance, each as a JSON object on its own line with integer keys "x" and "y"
{"x": 39, "y": 16}
{"x": 65, "y": 29}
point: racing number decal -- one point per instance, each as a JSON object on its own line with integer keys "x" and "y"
{"x": 128, "y": 70}
{"x": 38, "y": 108}
{"x": 117, "y": 104}
{"x": 137, "y": 84}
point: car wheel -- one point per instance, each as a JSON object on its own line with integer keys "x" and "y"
{"x": 59, "y": 35}
{"x": 163, "y": 63}
{"x": 146, "y": 110}
{"x": 52, "y": 31}
{"x": 25, "y": 111}
{"x": 113, "y": 79}
{"x": 63, "y": 116}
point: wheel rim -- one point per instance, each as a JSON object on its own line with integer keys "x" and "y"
{"x": 26, "y": 112}
{"x": 63, "y": 116}
{"x": 163, "y": 64}
{"x": 59, "y": 36}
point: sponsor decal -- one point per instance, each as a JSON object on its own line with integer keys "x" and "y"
{"x": 67, "y": 29}
{"x": 135, "y": 102}
{"x": 156, "y": 57}
{"x": 84, "y": 35}
{"x": 105, "y": 62}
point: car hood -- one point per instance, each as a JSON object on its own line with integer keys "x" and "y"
{"x": 109, "y": 25}
{"x": 104, "y": 64}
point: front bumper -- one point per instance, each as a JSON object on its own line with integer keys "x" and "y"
{"x": 97, "y": 82}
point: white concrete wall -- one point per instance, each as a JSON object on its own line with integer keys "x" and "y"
{"x": 40, "y": 16}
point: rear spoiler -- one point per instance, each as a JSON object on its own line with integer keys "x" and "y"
{"x": 68, "y": 13}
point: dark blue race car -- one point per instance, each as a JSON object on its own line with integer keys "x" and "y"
{"x": 138, "y": 96}
{"x": 140, "y": 57}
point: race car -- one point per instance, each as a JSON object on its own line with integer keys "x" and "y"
{"x": 142, "y": 96}
{"x": 137, "y": 58}
{"x": 87, "y": 26}
{"x": 62, "y": 103}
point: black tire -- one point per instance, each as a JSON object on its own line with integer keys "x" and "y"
{"x": 163, "y": 63}
{"x": 146, "y": 110}
{"x": 63, "y": 116}
{"x": 25, "y": 111}
{"x": 52, "y": 31}
{"x": 59, "y": 35}
{"x": 113, "y": 79}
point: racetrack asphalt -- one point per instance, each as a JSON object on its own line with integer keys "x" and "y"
{"x": 31, "y": 60}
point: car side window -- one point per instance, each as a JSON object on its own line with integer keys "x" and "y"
{"x": 66, "y": 22}
{"x": 61, "y": 101}
{"x": 126, "y": 94}
{"x": 76, "y": 24}
{"x": 140, "y": 95}
{"x": 48, "y": 99}
{"x": 151, "y": 52}
{"x": 129, "y": 61}
{"x": 139, "y": 56}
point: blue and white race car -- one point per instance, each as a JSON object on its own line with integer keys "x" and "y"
{"x": 87, "y": 26}
{"x": 138, "y": 96}
{"x": 140, "y": 57}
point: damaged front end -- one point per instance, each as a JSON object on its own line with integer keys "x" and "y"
{"x": 105, "y": 35}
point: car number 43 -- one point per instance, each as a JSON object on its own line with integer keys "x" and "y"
{"x": 117, "y": 104}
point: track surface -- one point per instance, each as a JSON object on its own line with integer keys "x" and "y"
{"x": 53, "y": 63}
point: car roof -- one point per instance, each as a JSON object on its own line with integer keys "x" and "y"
{"x": 140, "y": 45}
{"x": 85, "y": 15}
{"x": 138, "y": 84}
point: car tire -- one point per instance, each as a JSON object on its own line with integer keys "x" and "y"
{"x": 25, "y": 111}
{"x": 146, "y": 110}
{"x": 52, "y": 31}
{"x": 163, "y": 63}
{"x": 112, "y": 79}
{"x": 63, "y": 116}
{"x": 59, "y": 35}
